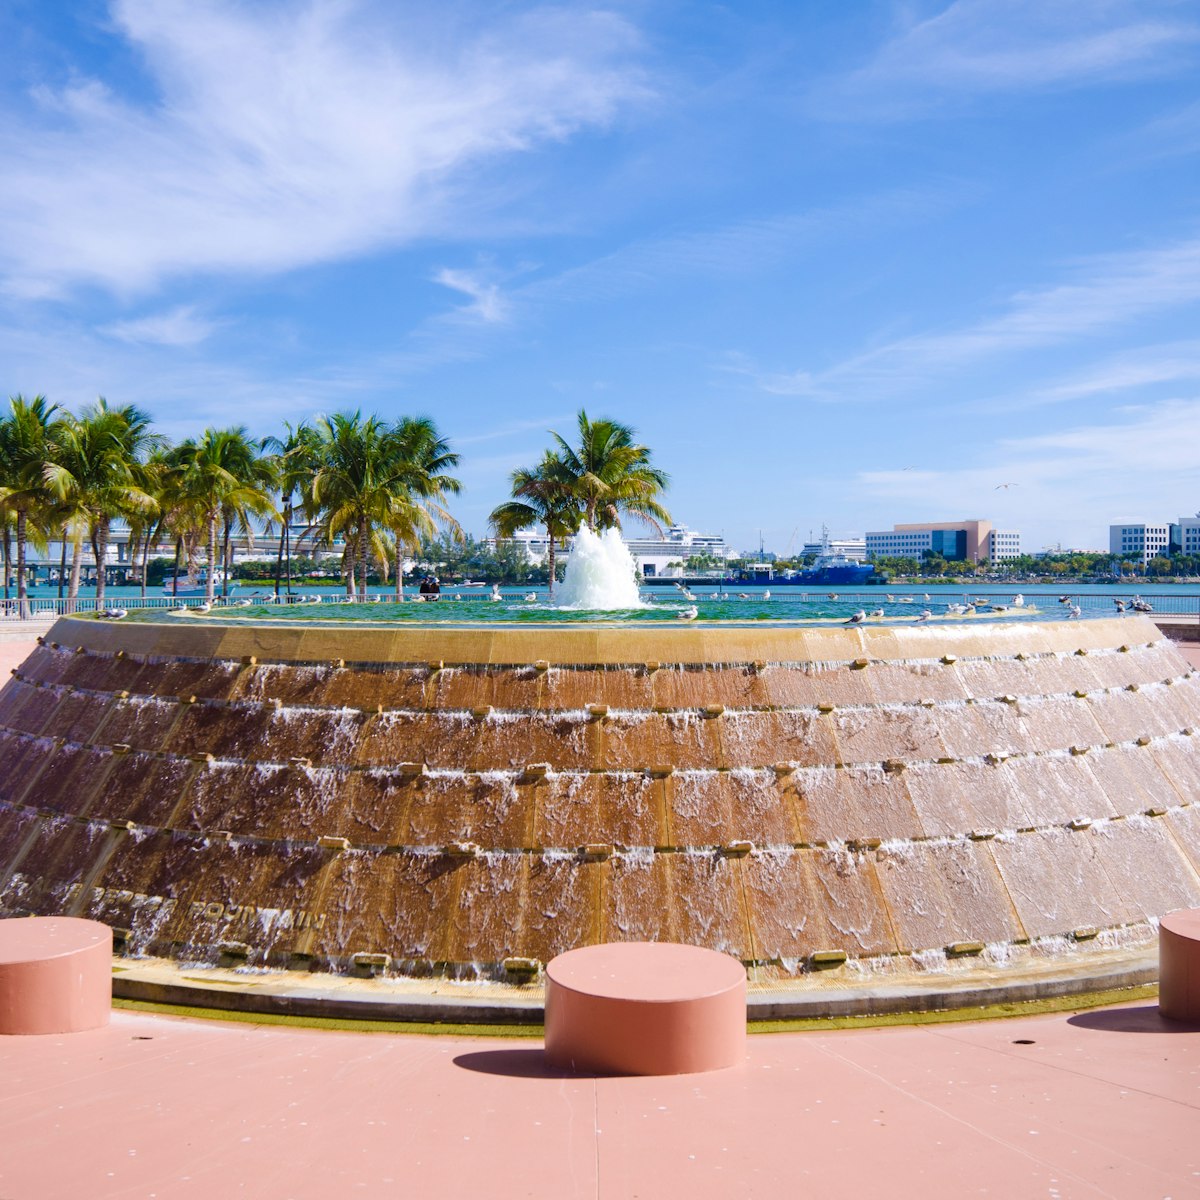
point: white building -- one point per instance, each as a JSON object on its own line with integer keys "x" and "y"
{"x": 1186, "y": 535}
{"x": 962, "y": 541}
{"x": 1140, "y": 540}
{"x": 855, "y": 548}
{"x": 1003, "y": 544}
{"x": 654, "y": 555}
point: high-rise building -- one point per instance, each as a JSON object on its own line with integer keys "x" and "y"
{"x": 963, "y": 541}
{"x": 1139, "y": 539}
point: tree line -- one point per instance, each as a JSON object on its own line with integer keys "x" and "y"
{"x": 377, "y": 489}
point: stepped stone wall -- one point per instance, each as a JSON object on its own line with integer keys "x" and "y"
{"x": 425, "y": 801}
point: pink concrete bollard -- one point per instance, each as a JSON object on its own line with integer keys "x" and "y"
{"x": 1179, "y": 965}
{"x": 55, "y": 975}
{"x": 645, "y": 1008}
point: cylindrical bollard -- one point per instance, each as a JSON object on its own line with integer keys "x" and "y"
{"x": 1179, "y": 965}
{"x": 55, "y": 975}
{"x": 645, "y": 1008}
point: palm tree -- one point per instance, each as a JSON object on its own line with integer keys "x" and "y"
{"x": 27, "y": 437}
{"x": 374, "y": 480}
{"x": 540, "y": 497}
{"x": 296, "y": 458}
{"x": 216, "y": 478}
{"x": 423, "y": 459}
{"x": 608, "y": 473}
{"x": 97, "y": 473}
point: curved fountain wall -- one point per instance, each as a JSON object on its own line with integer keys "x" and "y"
{"x": 429, "y": 801}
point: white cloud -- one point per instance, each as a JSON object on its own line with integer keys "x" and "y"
{"x": 288, "y": 134}
{"x": 180, "y": 326}
{"x": 979, "y": 47}
{"x": 1145, "y": 366}
{"x": 1070, "y": 485}
{"x": 1106, "y": 292}
{"x": 487, "y": 303}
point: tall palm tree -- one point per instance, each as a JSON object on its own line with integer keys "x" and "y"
{"x": 216, "y": 478}
{"x": 423, "y": 459}
{"x": 374, "y": 480}
{"x": 27, "y": 440}
{"x": 296, "y": 458}
{"x": 541, "y": 496}
{"x": 97, "y": 474}
{"x": 609, "y": 473}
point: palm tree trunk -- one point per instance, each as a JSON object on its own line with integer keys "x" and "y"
{"x": 551, "y": 560}
{"x": 399, "y": 570}
{"x": 363, "y": 535}
{"x": 101, "y": 550}
{"x": 7, "y": 557}
{"x": 225, "y": 560}
{"x": 283, "y": 537}
{"x": 62, "y": 563}
{"x": 22, "y": 591}
{"x": 76, "y": 564}
{"x": 211, "y": 582}
{"x": 146, "y": 558}
{"x": 175, "y": 577}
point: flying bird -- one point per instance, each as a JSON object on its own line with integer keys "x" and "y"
{"x": 1004, "y": 485}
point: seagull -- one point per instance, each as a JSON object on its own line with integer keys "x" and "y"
{"x": 1120, "y": 605}
{"x": 495, "y": 597}
{"x": 1003, "y": 485}
{"x": 857, "y": 619}
{"x": 203, "y": 608}
{"x": 116, "y": 614}
{"x": 926, "y": 597}
{"x": 743, "y": 595}
{"x": 688, "y": 614}
{"x": 1018, "y": 601}
{"x": 925, "y": 615}
{"x": 766, "y": 595}
{"x": 1074, "y": 612}
{"x": 1064, "y": 599}
{"x": 243, "y": 603}
{"x": 833, "y": 596}
{"x": 684, "y": 591}
{"x": 530, "y": 597}
{"x": 891, "y": 598}
{"x": 715, "y": 596}
{"x": 875, "y": 612}
{"x": 957, "y": 609}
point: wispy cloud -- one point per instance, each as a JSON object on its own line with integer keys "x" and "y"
{"x": 738, "y": 248}
{"x": 1143, "y": 367}
{"x": 487, "y": 304}
{"x": 1105, "y": 292}
{"x": 180, "y": 326}
{"x": 289, "y": 134}
{"x": 982, "y": 47}
{"x": 1138, "y": 464}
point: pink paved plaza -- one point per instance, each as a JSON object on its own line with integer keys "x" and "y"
{"x": 1099, "y": 1103}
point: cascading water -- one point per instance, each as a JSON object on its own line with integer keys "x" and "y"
{"x": 601, "y": 573}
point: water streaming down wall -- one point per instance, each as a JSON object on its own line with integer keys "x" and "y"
{"x": 453, "y": 799}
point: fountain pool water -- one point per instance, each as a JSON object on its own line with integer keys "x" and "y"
{"x": 601, "y": 574}
{"x": 884, "y": 816}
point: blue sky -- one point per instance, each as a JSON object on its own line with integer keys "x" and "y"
{"x": 848, "y": 263}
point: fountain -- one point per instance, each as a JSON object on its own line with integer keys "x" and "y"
{"x": 601, "y": 574}
{"x": 869, "y": 817}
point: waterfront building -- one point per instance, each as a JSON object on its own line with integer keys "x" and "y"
{"x": 1145, "y": 540}
{"x": 850, "y": 547}
{"x": 962, "y": 541}
{"x": 1141, "y": 540}
{"x": 655, "y": 555}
